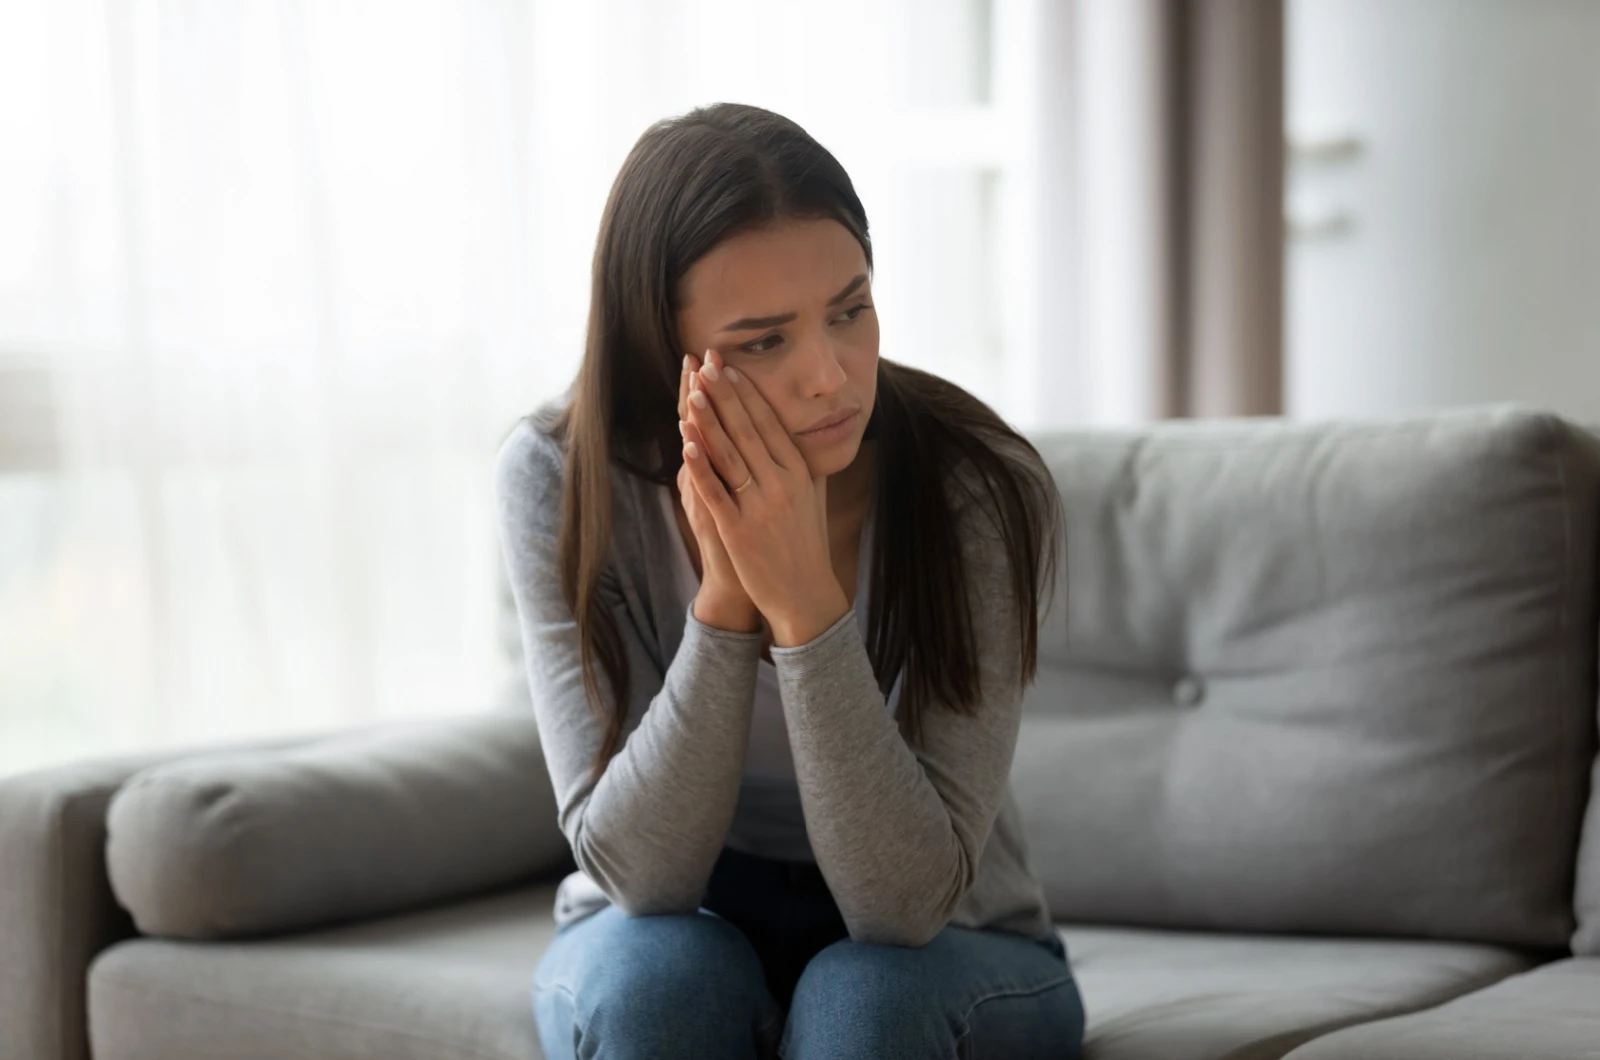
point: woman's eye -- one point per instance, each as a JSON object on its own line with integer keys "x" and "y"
{"x": 763, "y": 344}
{"x": 854, "y": 311}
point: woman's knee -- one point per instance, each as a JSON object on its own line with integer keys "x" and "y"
{"x": 658, "y": 979}
{"x": 664, "y": 960}
{"x": 865, "y": 979}
{"x": 862, "y": 1000}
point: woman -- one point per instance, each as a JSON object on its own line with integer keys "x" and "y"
{"x": 788, "y": 805}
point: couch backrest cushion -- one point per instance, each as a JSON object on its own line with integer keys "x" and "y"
{"x": 1586, "y": 940}
{"x": 1319, "y": 677}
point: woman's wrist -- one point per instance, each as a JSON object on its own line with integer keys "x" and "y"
{"x": 734, "y": 616}
{"x": 804, "y": 623}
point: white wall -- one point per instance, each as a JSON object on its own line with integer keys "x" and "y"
{"x": 1468, "y": 267}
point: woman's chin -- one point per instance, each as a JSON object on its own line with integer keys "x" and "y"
{"x": 831, "y": 459}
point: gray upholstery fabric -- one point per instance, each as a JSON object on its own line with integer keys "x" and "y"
{"x": 56, "y": 907}
{"x": 455, "y": 983}
{"x": 443, "y": 984}
{"x": 1550, "y": 1013}
{"x": 1177, "y": 995}
{"x": 56, "y": 911}
{"x": 381, "y": 820}
{"x": 1586, "y": 939}
{"x": 1326, "y": 678}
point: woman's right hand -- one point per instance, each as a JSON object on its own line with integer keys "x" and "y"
{"x": 721, "y": 602}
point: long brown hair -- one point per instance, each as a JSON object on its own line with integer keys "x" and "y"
{"x": 689, "y": 183}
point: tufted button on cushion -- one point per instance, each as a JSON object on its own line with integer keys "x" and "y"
{"x": 1189, "y": 691}
{"x": 1404, "y": 610}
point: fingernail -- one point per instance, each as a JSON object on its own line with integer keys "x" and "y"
{"x": 680, "y": 427}
{"x": 710, "y": 372}
{"x": 733, "y": 374}
{"x": 698, "y": 399}
{"x": 691, "y": 450}
{"x": 686, "y": 367}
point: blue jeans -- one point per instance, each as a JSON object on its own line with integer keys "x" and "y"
{"x": 766, "y": 968}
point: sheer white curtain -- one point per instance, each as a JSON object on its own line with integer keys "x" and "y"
{"x": 1150, "y": 201}
{"x": 270, "y": 260}
{"x": 275, "y": 277}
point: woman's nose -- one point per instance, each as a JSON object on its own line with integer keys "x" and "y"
{"x": 824, "y": 373}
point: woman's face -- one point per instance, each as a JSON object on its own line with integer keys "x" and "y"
{"x": 790, "y": 306}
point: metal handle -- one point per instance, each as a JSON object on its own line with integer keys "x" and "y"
{"x": 1319, "y": 148}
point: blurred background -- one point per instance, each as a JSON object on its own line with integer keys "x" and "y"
{"x": 276, "y": 276}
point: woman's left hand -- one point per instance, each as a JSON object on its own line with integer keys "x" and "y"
{"x": 776, "y": 529}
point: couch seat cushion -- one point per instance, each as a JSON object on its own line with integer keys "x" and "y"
{"x": 1550, "y": 1013}
{"x": 446, "y": 984}
{"x": 1176, "y": 995}
{"x": 454, "y": 984}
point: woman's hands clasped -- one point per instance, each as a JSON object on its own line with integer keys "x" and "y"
{"x": 721, "y": 601}
{"x": 768, "y": 513}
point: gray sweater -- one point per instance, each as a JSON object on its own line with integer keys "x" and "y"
{"x": 907, "y": 841}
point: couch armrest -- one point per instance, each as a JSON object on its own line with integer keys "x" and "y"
{"x": 56, "y": 906}
{"x": 407, "y": 813}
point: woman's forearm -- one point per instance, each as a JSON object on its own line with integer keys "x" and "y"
{"x": 650, "y": 830}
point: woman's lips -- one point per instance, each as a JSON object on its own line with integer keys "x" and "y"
{"x": 827, "y": 431}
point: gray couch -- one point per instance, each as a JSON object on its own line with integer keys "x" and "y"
{"x": 1307, "y": 774}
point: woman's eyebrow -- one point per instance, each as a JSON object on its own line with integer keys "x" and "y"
{"x": 757, "y": 323}
{"x": 849, "y": 289}
{"x": 760, "y": 323}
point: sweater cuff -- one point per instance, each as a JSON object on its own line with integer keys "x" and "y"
{"x": 733, "y": 636}
{"x": 823, "y": 649}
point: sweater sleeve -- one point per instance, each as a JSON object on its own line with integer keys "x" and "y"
{"x": 898, "y": 832}
{"x": 650, "y": 830}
